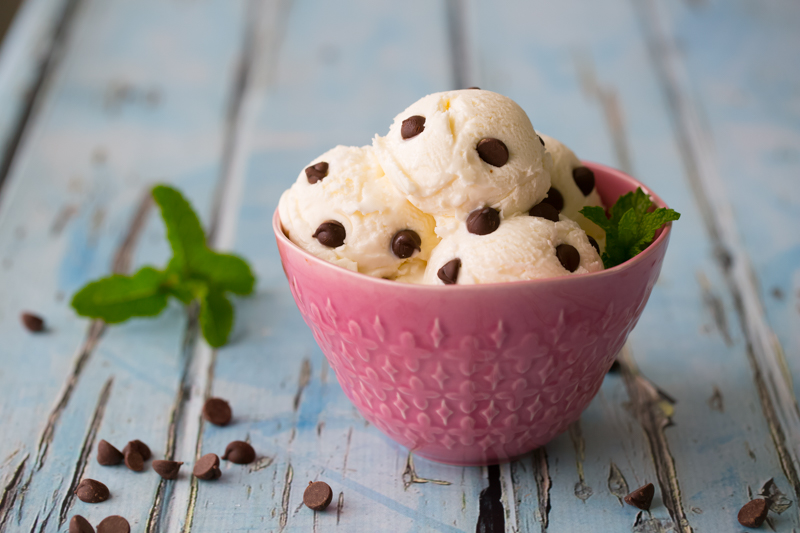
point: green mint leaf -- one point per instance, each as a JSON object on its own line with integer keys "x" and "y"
{"x": 650, "y": 224}
{"x": 598, "y": 216}
{"x": 185, "y": 234}
{"x": 631, "y": 227}
{"x": 227, "y": 271}
{"x": 216, "y": 317}
{"x": 117, "y": 298}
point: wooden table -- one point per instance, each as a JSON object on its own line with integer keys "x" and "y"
{"x": 229, "y": 99}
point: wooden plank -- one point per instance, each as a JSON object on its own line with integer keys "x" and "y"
{"x": 339, "y": 84}
{"x": 134, "y": 102}
{"x": 589, "y": 81}
{"x": 29, "y": 53}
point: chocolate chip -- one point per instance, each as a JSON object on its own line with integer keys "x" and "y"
{"x": 483, "y": 221}
{"x": 217, "y": 411}
{"x": 138, "y": 446}
{"x": 593, "y": 243}
{"x": 541, "y": 140}
{"x": 568, "y": 256}
{"x": 330, "y": 234}
{"x": 239, "y": 452}
{"x": 207, "y": 467}
{"x": 449, "y": 272}
{"x": 584, "y": 179}
{"x": 114, "y": 524}
{"x": 92, "y": 491}
{"x": 405, "y": 242}
{"x": 641, "y": 497}
{"x": 544, "y": 210}
{"x": 473, "y": 88}
{"x": 493, "y": 151}
{"x": 167, "y": 469}
{"x": 32, "y": 322}
{"x": 317, "y": 172}
{"x": 108, "y": 455}
{"x": 134, "y": 460}
{"x": 78, "y": 524}
{"x": 317, "y": 496}
{"x": 412, "y": 126}
{"x": 754, "y": 512}
{"x": 555, "y": 199}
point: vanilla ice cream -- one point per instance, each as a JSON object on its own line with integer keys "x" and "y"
{"x": 522, "y": 248}
{"x": 453, "y": 152}
{"x": 572, "y": 187}
{"x": 343, "y": 209}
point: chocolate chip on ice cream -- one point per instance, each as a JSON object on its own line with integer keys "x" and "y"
{"x": 584, "y": 179}
{"x": 412, "y": 126}
{"x": 493, "y": 151}
{"x": 449, "y": 272}
{"x": 317, "y": 172}
{"x": 555, "y": 199}
{"x": 544, "y": 210}
{"x": 405, "y": 243}
{"x": 483, "y": 221}
{"x": 330, "y": 234}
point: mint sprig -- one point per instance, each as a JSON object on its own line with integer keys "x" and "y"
{"x": 195, "y": 273}
{"x": 631, "y": 227}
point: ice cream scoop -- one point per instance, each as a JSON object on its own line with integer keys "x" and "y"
{"x": 456, "y": 151}
{"x": 343, "y": 209}
{"x": 523, "y": 247}
{"x": 572, "y": 187}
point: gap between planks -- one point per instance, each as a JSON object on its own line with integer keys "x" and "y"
{"x": 257, "y": 63}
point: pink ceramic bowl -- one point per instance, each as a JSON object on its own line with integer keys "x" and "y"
{"x": 474, "y": 374}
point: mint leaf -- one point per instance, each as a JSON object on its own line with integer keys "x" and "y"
{"x": 631, "y": 227}
{"x": 117, "y": 298}
{"x": 194, "y": 273}
{"x": 185, "y": 234}
{"x": 216, "y": 317}
{"x": 227, "y": 271}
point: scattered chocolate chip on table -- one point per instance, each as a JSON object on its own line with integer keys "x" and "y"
{"x": 754, "y": 512}
{"x": 92, "y": 491}
{"x": 239, "y": 452}
{"x": 317, "y": 496}
{"x": 114, "y": 524}
{"x": 642, "y": 497}
{"x": 217, "y": 411}
{"x": 167, "y": 469}
{"x": 107, "y": 454}
{"x": 78, "y": 524}
{"x": 207, "y": 467}
{"x": 32, "y": 322}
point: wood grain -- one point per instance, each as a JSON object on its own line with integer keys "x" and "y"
{"x": 230, "y": 99}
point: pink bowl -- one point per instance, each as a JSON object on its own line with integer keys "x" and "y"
{"x": 474, "y": 374}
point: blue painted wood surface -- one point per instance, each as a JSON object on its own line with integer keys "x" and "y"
{"x": 230, "y": 99}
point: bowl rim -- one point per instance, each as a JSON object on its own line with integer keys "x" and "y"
{"x": 659, "y": 241}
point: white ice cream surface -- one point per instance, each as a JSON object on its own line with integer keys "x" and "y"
{"x": 440, "y": 169}
{"x": 561, "y": 179}
{"x": 357, "y": 194}
{"x": 522, "y": 248}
